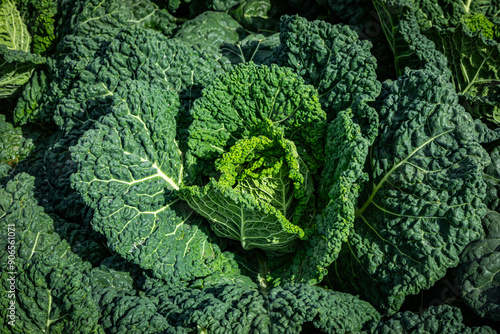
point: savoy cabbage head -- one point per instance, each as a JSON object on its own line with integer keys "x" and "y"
{"x": 299, "y": 162}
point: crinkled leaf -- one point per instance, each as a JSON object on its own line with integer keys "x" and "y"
{"x": 222, "y": 5}
{"x": 88, "y": 27}
{"x": 135, "y": 53}
{"x": 479, "y": 268}
{"x": 49, "y": 291}
{"x": 243, "y": 309}
{"x": 235, "y": 103}
{"x": 211, "y": 30}
{"x": 29, "y": 107}
{"x": 130, "y": 168}
{"x": 423, "y": 203}
{"x": 330, "y": 57}
{"x": 435, "y": 320}
{"x": 255, "y": 15}
{"x": 255, "y": 47}
{"x": 39, "y": 16}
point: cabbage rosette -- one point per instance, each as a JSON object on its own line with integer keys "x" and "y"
{"x": 261, "y": 196}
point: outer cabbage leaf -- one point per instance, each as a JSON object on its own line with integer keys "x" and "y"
{"x": 86, "y": 29}
{"x": 436, "y": 320}
{"x": 226, "y": 307}
{"x": 362, "y": 17}
{"x": 255, "y": 15}
{"x": 423, "y": 204}
{"x": 332, "y": 58}
{"x": 245, "y": 309}
{"x": 51, "y": 164}
{"x": 130, "y": 168}
{"x": 123, "y": 308}
{"x": 16, "y": 62}
{"x": 222, "y": 5}
{"x": 349, "y": 135}
{"x": 210, "y": 30}
{"x": 91, "y": 17}
{"x": 479, "y": 270}
{"x": 261, "y": 196}
{"x": 29, "y": 103}
{"x": 255, "y": 48}
{"x": 234, "y": 105}
{"x": 329, "y": 311}
{"x": 134, "y": 53}
{"x": 50, "y": 294}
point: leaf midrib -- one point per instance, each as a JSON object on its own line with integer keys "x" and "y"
{"x": 377, "y": 187}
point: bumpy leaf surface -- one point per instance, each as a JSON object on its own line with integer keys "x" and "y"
{"x": 423, "y": 204}
{"x": 234, "y": 105}
{"x": 210, "y": 30}
{"x": 39, "y": 18}
{"x": 255, "y": 47}
{"x": 49, "y": 293}
{"x": 436, "y": 320}
{"x": 134, "y": 53}
{"x": 332, "y": 58}
{"x": 479, "y": 270}
{"x": 124, "y": 309}
{"x": 130, "y": 168}
{"x": 88, "y": 28}
{"x": 243, "y": 309}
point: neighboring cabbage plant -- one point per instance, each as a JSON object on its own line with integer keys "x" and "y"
{"x": 466, "y": 32}
{"x": 39, "y": 16}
